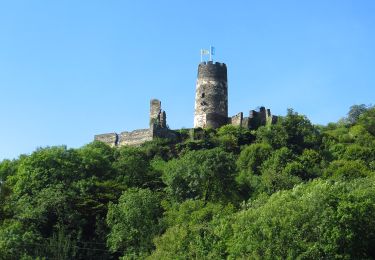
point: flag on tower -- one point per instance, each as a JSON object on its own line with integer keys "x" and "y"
{"x": 209, "y": 52}
{"x": 212, "y": 50}
{"x": 205, "y": 52}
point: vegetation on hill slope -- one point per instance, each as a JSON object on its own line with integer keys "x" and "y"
{"x": 290, "y": 190}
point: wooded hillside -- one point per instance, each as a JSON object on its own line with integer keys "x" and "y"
{"x": 289, "y": 190}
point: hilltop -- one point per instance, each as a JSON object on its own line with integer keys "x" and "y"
{"x": 285, "y": 190}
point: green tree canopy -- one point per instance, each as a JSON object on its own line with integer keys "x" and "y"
{"x": 197, "y": 230}
{"x": 355, "y": 112}
{"x": 313, "y": 221}
{"x": 133, "y": 222}
{"x": 204, "y": 174}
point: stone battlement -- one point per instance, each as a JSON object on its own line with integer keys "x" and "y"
{"x": 256, "y": 118}
{"x": 215, "y": 70}
{"x": 158, "y": 129}
{"x": 111, "y": 139}
{"x": 212, "y": 63}
{"x": 136, "y": 137}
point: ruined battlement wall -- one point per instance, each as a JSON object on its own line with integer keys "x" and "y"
{"x": 111, "y": 139}
{"x": 136, "y": 137}
{"x": 158, "y": 129}
{"x": 155, "y": 107}
{"x": 211, "y": 70}
{"x": 164, "y": 133}
{"x": 245, "y": 122}
{"x": 255, "y": 119}
{"x": 274, "y": 119}
{"x": 237, "y": 119}
{"x": 158, "y": 117}
{"x": 262, "y": 116}
{"x": 214, "y": 120}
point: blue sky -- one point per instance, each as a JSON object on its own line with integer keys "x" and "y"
{"x": 73, "y": 69}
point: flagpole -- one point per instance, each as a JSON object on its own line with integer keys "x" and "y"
{"x": 210, "y": 53}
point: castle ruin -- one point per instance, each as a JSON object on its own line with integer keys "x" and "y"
{"x": 211, "y": 111}
{"x": 157, "y": 129}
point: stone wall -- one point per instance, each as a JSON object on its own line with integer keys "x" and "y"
{"x": 111, "y": 139}
{"x": 158, "y": 117}
{"x": 155, "y": 107}
{"x": 136, "y": 137}
{"x": 159, "y": 132}
{"x": 245, "y": 123}
{"x": 237, "y": 119}
{"x": 262, "y": 116}
{"x": 274, "y": 119}
{"x": 268, "y": 115}
{"x": 214, "y": 120}
{"x": 158, "y": 129}
{"x": 255, "y": 119}
{"x": 162, "y": 119}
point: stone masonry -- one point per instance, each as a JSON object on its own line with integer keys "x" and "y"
{"x": 211, "y": 96}
{"x": 256, "y": 118}
{"x": 157, "y": 129}
{"x": 211, "y": 111}
{"x": 211, "y": 101}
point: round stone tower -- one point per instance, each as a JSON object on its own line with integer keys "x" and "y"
{"x": 211, "y": 95}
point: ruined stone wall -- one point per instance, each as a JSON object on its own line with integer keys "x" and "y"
{"x": 155, "y": 107}
{"x": 159, "y": 132}
{"x": 268, "y": 115}
{"x": 274, "y": 119}
{"x": 111, "y": 139}
{"x": 245, "y": 123}
{"x": 262, "y": 116}
{"x": 255, "y": 119}
{"x": 237, "y": 119}
{"x": 158, "y": 129}
{"x": 214, "y": 120}
{"x": 158, "y": 117}
{"x": 136, "y": 137}
{"x": 211, "y": 96}
{"x": 162, "y": 119}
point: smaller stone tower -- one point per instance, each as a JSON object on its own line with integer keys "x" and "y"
{"x": 211, "y": 95}
{"x": 158, "y": 116}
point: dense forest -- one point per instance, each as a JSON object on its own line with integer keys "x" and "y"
{"x": 289, "y": 190}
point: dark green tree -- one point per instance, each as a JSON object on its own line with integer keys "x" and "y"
{"x": 133, "y": 222}
{"x": 132, "y": 168}
{"x": 231, "y": 138}
{"x": 205, "y": 174}
{"x": 197, "y": 230}
{"x": 293, "y": 131}
{"x": 249, "y": 166}
{"x": 275, "y": 173}
{"x": 355, "y": 112}
{"x": 367, "y": 119}
{"x": 320, "y": 220}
